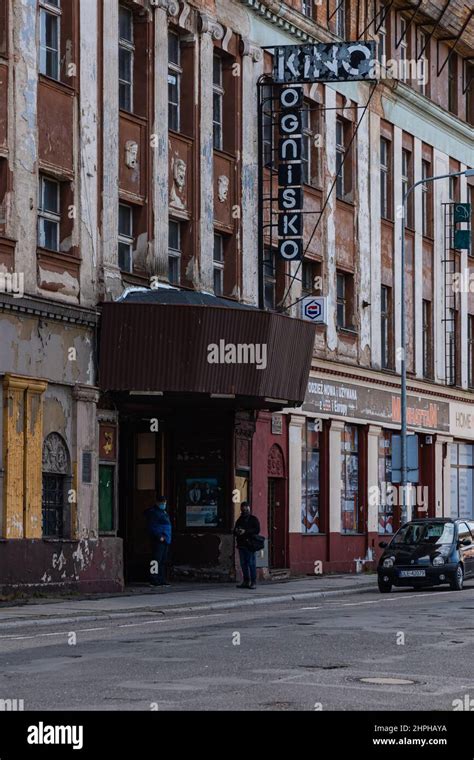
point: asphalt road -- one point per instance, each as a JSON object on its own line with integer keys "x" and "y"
{"x": 291, "y": 656}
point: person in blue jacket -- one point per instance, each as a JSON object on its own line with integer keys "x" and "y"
{"x": 159, "y": 530}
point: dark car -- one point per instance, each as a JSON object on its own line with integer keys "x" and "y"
{"x": 428, "y": 552}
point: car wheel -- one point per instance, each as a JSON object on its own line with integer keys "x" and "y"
{"x": 384, "y": 588}
{"x": 457, "y": 580}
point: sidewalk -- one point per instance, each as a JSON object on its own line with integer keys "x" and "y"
{"x": 137, "y": 601}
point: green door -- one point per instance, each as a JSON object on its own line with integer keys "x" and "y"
{"x": 106, "y": 498}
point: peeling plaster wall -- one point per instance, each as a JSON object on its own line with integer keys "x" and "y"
{"x": 40, "y": 348}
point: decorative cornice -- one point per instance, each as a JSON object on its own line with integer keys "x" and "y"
{"x": 31, "y": 306}
{"x": 88, "y": 393}
{"x": 170, "y": 6}
{"x": 209, "y": 25}
{"x": 287, "y": 19}
{"x": 246, "y": 48}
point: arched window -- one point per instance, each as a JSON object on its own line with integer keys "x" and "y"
{"x": 56, "y": 483}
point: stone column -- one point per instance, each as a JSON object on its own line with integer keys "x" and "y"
{"x": 110, "y": 115}
{"x": 397, "y": 236}
{"x": 85, "y": 510}
{"x": 375, "y": 239}
{"x": 440, "y": 190}
{"x": 335, "y": 434}
{"x": 295, "y": 439}
{"x": 330, "y": 133}
{"x": 33, "y": 447}
{"x": 442, "y": 477}
{"x": 210, "y": 30}
{"x": 158, "y": 263}
{"x": 252, "y": 69}
{"x": 373, "y": 434}
{"x": 418, "y": 253}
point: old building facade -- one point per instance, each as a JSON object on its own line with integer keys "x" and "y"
{"x": 129, "y": 160}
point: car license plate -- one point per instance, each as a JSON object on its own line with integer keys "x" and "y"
{"x": 412, "y": 573}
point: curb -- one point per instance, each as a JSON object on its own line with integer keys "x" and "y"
{"x": 171, "y": 611}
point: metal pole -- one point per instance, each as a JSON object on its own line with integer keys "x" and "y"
{"x": 261, "y": 296}
{"x": 403, "y": 311}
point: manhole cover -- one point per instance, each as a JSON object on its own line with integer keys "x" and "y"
{"x": 388, "y": 681}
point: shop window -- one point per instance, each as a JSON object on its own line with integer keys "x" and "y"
{"x": 269, "y": 276}
{"x": 218, "y": 264}
{"x": 311, "y": 508}
{"x": 49, "y": 214}
{"x": 106, "y": 498}
{"x": 125, "y": 238}
{"x": 344, "y": 162}
{"x": 345, "y": 300}
{"x": 386, "y": 501}
{"x": 350, "y": 522}
{"x": 427, "y": 339}
{"x": 175, "y": 72}
{"x": 453, "y": 83}
{"x": 310, "y": 150}
{"x": 386, "y": 326}
{"x": 50, "y": 38}
{"x": 407, "y": 181}
{"x": 385, "y": 178}
{"x": 174, "y": 252}
{"x": 462, "y": 480}
{"x": 427, "y": 200}
{"x": 56, "y": 485}
{"x": 470, "y": 350}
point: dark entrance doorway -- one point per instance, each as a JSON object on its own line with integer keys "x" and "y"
{"x": 277, "y": 511}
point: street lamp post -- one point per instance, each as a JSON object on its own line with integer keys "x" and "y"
{"x": 403, "y": 431}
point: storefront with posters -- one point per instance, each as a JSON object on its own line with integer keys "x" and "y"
{"x": 342, "y": 497}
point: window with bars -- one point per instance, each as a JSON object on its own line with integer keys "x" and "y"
{"x": 49, "y": 214}
{"x": 56, "y": 484}
{"x": 174, "y": 81}
{"x": 218, "y": 264}
{"x": 217, "y": 103}
{"x": 174, "y": 252}
{"x": 125, "y": 238}
{"x": 126, "y": 58}
{"x": 50, "y": 38}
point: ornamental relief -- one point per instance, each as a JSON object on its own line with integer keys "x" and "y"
{"x": 275, "y": 467}
{"x": 55, "y": 455}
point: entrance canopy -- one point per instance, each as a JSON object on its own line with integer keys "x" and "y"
{"x": 171, "y": 341}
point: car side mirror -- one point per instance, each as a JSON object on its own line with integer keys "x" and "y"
{"x": 465, "y": 542}
{"x": 383, "y": 544}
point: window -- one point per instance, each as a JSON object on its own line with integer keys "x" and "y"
{"x": 307, "y": 8}
{"x": 311, "y": 278}
{"x": 174, "y": 81}
{"x": 126, "y": 54}
{"x": 403, "y": 49}
{"x": 427, "y": 340}
{"x": 386, "y": 515}
{"x": 453, "y": 190}
{"x": 125, "y": 240}
{"x": 218, "y": 97}
{"x": 426, "y": 199}
{"x": 174, "y": 252}
{"x": 382, "y": 32}
{"x": 309, "y": 152}
{"x": 385, "y": 175}
{"x": 462, "y": 480}
{"x": 341, "y": 18}
{"x": 268, "y": 126}
{"x": 56, "y": 484}
{"x": 50, "y": 38}
{"x": 49, "y": 217}
{"x": 470, "y": 350}
{"x": 470, "y": 93}
{"x": 423, "y": 51}
{"x": 310, "y": 480}
{"x": 350, "y": 518}
{"x": 218, "y": 262}
{"x": 451, "y": 347}
{"x": 343, "y": 159}
{"x": 453, "y": 83}
{"x": 406, "y": 184}
{"x": 345, "y": 293}
{"x": 386, "y": 325}
{"x": 269, "y": 275}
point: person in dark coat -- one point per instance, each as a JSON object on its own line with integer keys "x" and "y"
{"x": 245, "y": 528}
{"x": 159, "y": 530}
